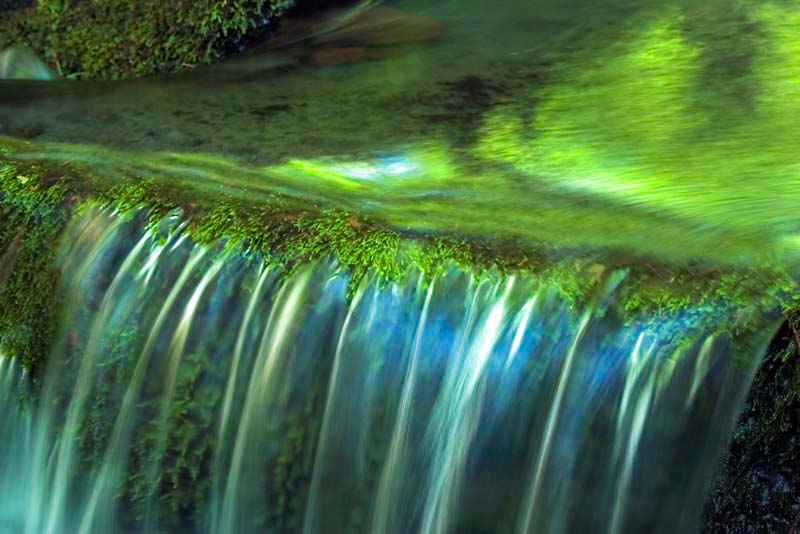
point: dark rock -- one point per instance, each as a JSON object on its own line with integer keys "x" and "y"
{"x": 9, "y": 5}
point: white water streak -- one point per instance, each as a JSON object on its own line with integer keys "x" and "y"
{"x": 262, "y": 382}
{"x": 43, "y": 451}
{"x": 456, "y": 418}
{"x": 523, "y": 320}
{"x": 175, "y": 351}
{"x": 230, "y": 389}
{"x": 532, "y": 494}
{"x": 701, "y": 368}
{"x": 394, "y": 464}
{"x": 310, "y": 523}
{"x": 638, "y": 365}
{"x": 66, "y": 448}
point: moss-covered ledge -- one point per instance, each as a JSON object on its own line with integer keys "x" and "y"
{"x": 37, "y": 199}
{"x": 114, "y": 39}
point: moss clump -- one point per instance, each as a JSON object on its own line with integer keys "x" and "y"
{"x": 183, "y": 447}
{"x": 291, "y": 474}
{"x": 698, "y": 296}
{"x": 114, "y": 39}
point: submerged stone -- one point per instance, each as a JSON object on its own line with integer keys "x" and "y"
{"x": 338, "y": 56}
{"x": 385, "y": 26}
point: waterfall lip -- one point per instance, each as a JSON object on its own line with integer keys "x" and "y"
{"x": 395, "y": 250}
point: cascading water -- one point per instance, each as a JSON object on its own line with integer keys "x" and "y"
{"x": 15, "y": 427}
{"x": 203, "y": 390}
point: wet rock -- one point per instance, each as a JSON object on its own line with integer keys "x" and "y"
{"x": 28, "y": 132}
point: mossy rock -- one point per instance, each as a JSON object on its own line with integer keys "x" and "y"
{"x": 114, "y": 39}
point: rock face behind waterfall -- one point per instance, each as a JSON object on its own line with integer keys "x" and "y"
{"x": 22, "y": 64}
{"x": 197, "y": 389}
{"x": 758, "y": 491}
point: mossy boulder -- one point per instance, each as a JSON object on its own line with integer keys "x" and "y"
{"x": 114, "y": 39}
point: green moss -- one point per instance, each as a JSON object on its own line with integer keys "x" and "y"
{"x": 125, "y": 38}
{"x": 292, "y": 472}
{"x": 185, "y": 483}
{"x": 33, "y": 214}
{"x": 115, "y": 370}
{"x": 181, "y": 443}
{"x": 662, "y": 293}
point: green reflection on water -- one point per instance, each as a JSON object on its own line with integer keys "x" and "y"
{"x": 667, "y": 130}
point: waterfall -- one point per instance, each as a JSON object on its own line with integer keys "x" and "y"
{"x": 204, "y": 389}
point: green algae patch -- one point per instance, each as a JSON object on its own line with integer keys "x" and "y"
{"x": 113, "y": 39}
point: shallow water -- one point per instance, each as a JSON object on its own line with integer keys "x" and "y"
{"x": 662, "y": 128}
